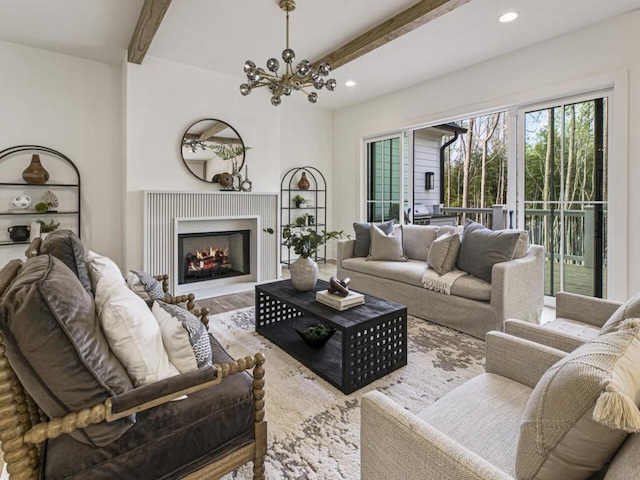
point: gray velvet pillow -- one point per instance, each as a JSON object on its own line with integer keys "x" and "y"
{"x": 443, "y": 253}
{"x": 363, "y": 236}
{"x": 57, "y": 348}
{"x": 386, "y": 247}
{"x": 66, "y": 246}
{"x": 481, "y": 248}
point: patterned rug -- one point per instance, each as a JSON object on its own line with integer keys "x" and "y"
{"x": 314, "y": 429}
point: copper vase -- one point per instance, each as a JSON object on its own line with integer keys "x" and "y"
{"x": 303, "y": 184}
{"x": 35, "y": 173}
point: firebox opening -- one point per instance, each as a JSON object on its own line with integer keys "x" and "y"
{"x": 213, "y": 255}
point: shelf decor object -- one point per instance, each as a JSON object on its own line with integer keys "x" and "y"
{"x": 303, "y": 76}
{"x": 35, "y": 173}
{"x": 304, "y": 184}
{"x": 65, "y": 184}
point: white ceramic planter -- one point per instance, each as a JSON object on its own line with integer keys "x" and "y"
{"x": 304, "y": 274}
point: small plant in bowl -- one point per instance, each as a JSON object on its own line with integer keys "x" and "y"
{"x": 48, "y": 227}
{"x": 48, "y": 203}
{"x": 299, "y": 201}
{"x": 316, "y": 335}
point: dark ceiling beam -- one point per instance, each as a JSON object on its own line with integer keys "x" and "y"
{"x": 149, "y": 21}
{"x": 421, "y": 13}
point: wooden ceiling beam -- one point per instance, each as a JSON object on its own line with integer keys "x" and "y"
{"x": 149, "y": 21}
{"x": 419, "y": 14}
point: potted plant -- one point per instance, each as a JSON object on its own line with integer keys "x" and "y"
{"x": 228, "y": 151}
{"x": 306, "y": 242}
{"x": 299, "y": 201}
{"x": 46, "y": 228}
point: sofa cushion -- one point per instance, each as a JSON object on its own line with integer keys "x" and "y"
{"x": 629, "y": 309}
{"x": 363, "y": 236}
{"x": 386, "y": 246}
{"x": 67, "y": 247}
{"x": 443, "y": 253}
{"x": 473, "y": 288}
{"x": 481, "y": 248}
{"x": 468, "y": 415}
{"x": 56, "y": 346}
{"x": 190, "y": 329}
{"x": 573, "y": 327}
{"x": 132, "y": 332}
{"x": 417, "y": 239}
{"x": 168, "y": 441}
{"x": 100, "y": 267}
{"x": 582, "y": 408}
{"x": 409, "y": 272}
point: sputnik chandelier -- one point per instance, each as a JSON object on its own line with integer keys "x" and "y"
{"x": 304, "y": 75}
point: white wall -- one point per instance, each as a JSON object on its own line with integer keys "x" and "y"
{"x": 164, "y": 98}
{"x": 71, "y": 105}
{"x": 604, "y": 55}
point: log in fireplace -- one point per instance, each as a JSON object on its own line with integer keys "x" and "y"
{"x": 208, "y": 256}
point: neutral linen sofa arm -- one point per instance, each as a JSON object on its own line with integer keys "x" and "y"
{"x": 345, "y": 250}
{"x": 395, "y": 444}
{"x": 517, "y": 359}
{"x": 167, "y": 390}
{"x": 591, "y": 310}
{"x": 545, "y": 336}
{"x": 517, "y": 287}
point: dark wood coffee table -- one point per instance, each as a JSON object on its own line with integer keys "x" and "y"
{"x": 370, "y": 341}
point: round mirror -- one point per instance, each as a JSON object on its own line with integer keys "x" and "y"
{"x": 210, "y": 147}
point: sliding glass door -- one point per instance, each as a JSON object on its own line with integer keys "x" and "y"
{"x": 563, "y": 199}
{"x": 385, "y": 177}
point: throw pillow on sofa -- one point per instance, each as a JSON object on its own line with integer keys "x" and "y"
{"x": 443, "y": 253}
{"x": 386, "y": 247}
{"x": 66, "y": 246}
{"x": 145, "y": 286}
{"x": 362, "y": 243}
{"x": 629, "y": 309}
{"x": 57, "y": 348}
{"x": 481, "y": 248}
{"x": 100, "y": 267}
{"x": 582, "y": 408}
{"x": 184, "y": 336}
{"x": 417, "y": 239}
{"x": 132, "y": 332}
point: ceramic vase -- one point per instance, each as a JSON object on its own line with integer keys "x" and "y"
{"x": 20, "y": 233}
{"x": 35, "y": 173}
{"x": 303, "y": 184}
{"x": 304, "y": 274}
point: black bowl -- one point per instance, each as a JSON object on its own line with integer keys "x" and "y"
{"x": 313, "y": 339}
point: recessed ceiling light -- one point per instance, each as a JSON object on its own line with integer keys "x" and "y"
{"x": 350, "y": 83}
{"x": 508, "y": 17}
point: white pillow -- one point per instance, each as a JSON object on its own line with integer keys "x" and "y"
{"x": 175, "y": 339}
{"x": 132, "y": 333}
{"x": 100, "y": 266}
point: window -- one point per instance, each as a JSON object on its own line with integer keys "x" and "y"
{"x": 384, "y": 179}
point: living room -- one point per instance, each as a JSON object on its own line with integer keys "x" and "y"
{"x": 121, "y": 123}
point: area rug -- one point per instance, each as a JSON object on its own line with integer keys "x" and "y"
{"x": 314, "y": 429}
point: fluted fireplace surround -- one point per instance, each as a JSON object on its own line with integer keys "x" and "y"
{"x": 238, "y": 217}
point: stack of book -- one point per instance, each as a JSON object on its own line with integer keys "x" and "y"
{"x": 340, "y": 303}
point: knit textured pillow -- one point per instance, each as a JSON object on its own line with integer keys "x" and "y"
{"x": 194, "y": 330}
{"x": 582, "y": 409}
{"x": 145, "y": 286}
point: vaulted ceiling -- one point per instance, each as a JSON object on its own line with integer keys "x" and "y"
{"x": 220, "y": 35}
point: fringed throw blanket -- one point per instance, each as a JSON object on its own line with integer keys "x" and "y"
{"x": 441, "y": 283}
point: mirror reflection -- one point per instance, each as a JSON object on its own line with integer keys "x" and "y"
{"x": 211, "y": 147}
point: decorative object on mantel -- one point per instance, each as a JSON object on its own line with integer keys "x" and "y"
{"x": 35, "y": 173}
{"x": 19, "y": 233}
{"x": 304, "y": 75}
{"x": 21, "y": 202}
{"x": 214, "y": 152}
{"x": 303, "y": 183}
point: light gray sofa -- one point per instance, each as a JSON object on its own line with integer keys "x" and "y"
{"x": 474, "y": 432}
{"x": 474, "y": 306}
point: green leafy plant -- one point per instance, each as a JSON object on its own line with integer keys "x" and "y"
{"x": 48, "y": 227}
{"x": 227, "y": 151}
{"x": 317, "y": 332}
{"x": 42, "y": 207}
{"x": 306, "y": 241}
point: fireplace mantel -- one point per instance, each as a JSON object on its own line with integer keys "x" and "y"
{"x": 164, "y": 210}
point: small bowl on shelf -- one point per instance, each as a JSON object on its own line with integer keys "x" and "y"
{"x": 315, "y": 335}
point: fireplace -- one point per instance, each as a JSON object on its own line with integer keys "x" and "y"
{"x": 206, "y": 256}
